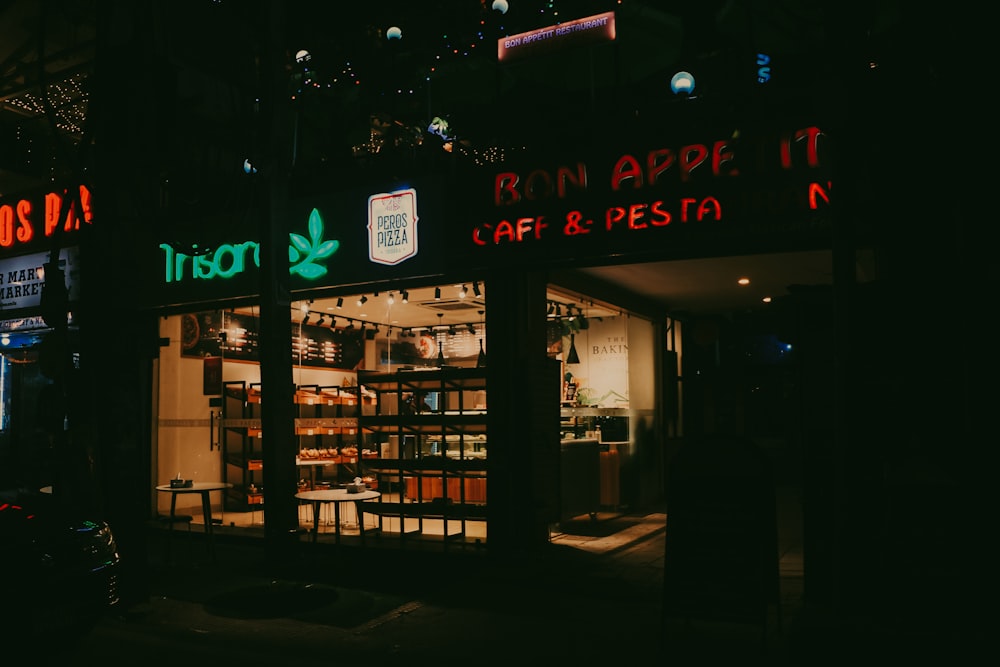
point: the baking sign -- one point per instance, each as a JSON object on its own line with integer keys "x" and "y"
{"x": 392, "y": 226}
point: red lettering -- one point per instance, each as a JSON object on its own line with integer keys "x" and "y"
{"x": 811, "y": 136}
{"x": 477, "y": 234}
{"x": 88, "y": 212}
{"x": 6, "y": 226}
{"x": 635, "y": 214}
{"x": 721, "y": 155}
{"x": 710, "y": 205}
{"x": 691, "y": 157}
{"x": 504, "y": 231}
{"x": 25, "y": 230}
{"x": 657, "y": 162}
{"x": 661, "y": 216}
{"x": 612, "y": 216}
{"x": 565, "y": 176}
{"x": 625, "y": 169}
{"x": 53, "y": 202}
{"x": 817, "y": 192}
{"x": 505, "y": 189}
{"x": 523, "y": 226}
{"x": 538, "y": 185}
{"x": 685, "y": 204}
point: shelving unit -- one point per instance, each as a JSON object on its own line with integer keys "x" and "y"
{"x": 327, "y": 428}
{"x": 242, "y": 446}
{"x": 435, "y": 454}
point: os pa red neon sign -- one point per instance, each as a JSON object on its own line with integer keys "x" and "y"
{"x": 22, "y": 223}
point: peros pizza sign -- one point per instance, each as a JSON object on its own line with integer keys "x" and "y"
{"x": 392, "y": 226}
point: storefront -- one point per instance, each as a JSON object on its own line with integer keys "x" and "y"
{"x": 443, "y": 352}
{"x": 41, "y": 431}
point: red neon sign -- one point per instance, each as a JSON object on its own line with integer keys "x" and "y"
{"x": 20, "y": 223}
{"x": 692, "y": 163}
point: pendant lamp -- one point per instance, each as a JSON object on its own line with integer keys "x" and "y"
{"x": 572, "y": 357}
{"x": 481, "y": 360}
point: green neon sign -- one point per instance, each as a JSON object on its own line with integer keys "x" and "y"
{"x": 230, "y": 259}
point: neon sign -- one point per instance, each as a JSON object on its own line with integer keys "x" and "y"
{"x": 592, "y": 29}
{"x": 20, "y": 223}
{"x": 658, "y": 170}
{"x": 231, "y": 259}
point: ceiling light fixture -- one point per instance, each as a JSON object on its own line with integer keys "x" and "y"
{"x": 572, "y": 357}
{"x": 437, "y": 293}
{"x": 392, "y": 299}
{"x": 340, "y": 302}
{"x": 406, "y": 296}
{"x": 362, "y": 300}
{"x": 475, "y": 289}
{"x": 462, "y": 292}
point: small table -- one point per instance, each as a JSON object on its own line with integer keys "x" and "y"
{"x": 202, "y": 488}
{"x": 337, "y": 496}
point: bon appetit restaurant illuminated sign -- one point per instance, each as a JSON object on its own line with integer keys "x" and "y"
{"x": 628, "y": 200}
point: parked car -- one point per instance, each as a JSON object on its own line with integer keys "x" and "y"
{"x": 58, "y": 573}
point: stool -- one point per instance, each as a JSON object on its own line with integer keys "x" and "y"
{"x": 178, "y": 518}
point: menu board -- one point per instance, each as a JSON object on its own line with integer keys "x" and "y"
{"x": 235, "y": 337}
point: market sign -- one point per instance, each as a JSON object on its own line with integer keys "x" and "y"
{"x": 589, "y": 30}
{"x": 22, "y": 278}
{"x": 28, "y": 220}
{"x": 392, "y": 226}
{"x": 639, "y": 194}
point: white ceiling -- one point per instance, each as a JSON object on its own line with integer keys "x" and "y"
{"x": 710, "y": 285}
{"x": 698, "y": 286}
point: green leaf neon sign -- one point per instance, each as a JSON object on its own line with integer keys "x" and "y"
{"x": 310, "y": 249}
{"x": 231, "y": 259}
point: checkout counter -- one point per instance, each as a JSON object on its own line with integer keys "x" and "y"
{"x": 579, "y": 477}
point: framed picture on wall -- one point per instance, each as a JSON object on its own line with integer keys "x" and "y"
{"x": 570, "y": 392}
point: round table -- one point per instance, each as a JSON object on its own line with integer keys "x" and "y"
{"x": 337, "y": 496}
{"x": 201, "y": 488}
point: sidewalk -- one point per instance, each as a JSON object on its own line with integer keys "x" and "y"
{"x": 586, "y": 599}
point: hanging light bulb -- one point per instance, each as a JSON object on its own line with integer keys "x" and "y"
{"x": 481, "y": 359}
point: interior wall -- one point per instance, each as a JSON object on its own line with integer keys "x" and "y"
{"x": 185, "y": 421}
{"x": 645, "y": 466}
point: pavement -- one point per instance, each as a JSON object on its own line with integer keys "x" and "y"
{"x": 585, "y": 599}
